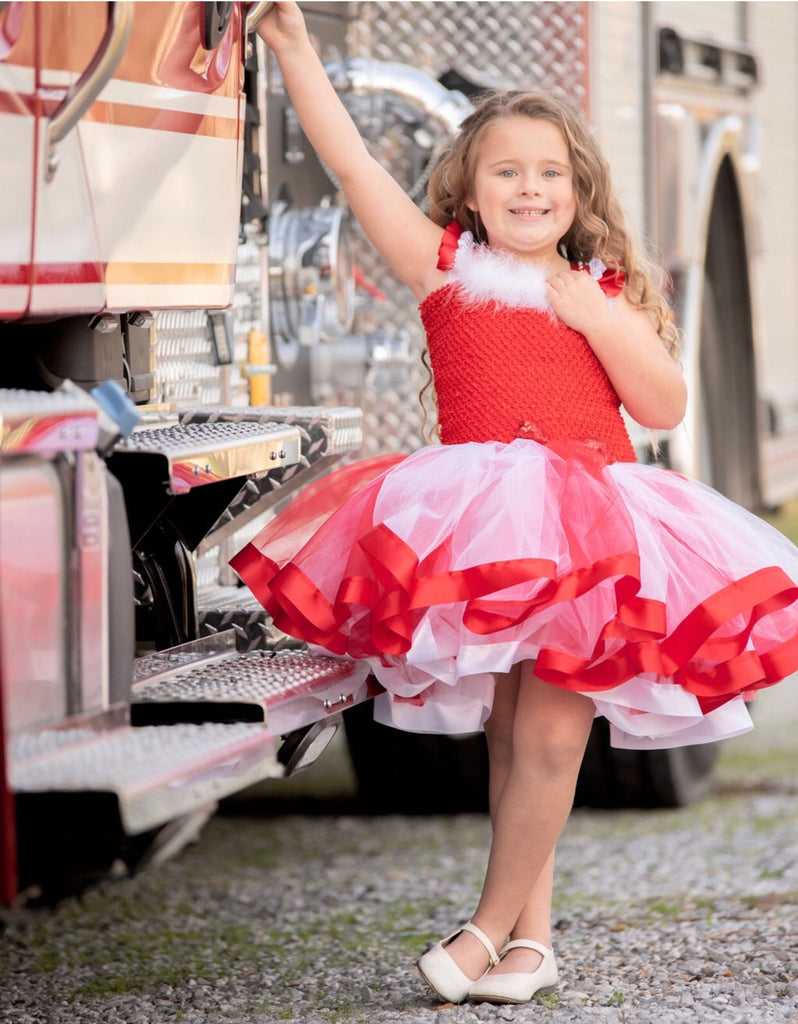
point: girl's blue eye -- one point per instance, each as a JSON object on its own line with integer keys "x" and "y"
{"x": 506, "y": 173}
{"x": 551, "y": 174}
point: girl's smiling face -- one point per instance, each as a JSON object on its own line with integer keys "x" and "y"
{"x": 523, "y": 187}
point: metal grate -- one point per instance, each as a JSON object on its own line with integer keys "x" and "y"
{"x": 257, "y": 677}
{"x": 324, "y": 431}
{"x": 156, "y": 773}
{"x": 190, "y": 438}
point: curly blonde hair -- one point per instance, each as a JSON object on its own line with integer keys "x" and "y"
{"x": 599, "y": 227}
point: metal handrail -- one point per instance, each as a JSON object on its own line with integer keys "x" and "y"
{"x": 88, "y": 87}
{"x": 255, "y": 13}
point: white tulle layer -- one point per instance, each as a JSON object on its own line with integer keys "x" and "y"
{"x": 469, "y": 505}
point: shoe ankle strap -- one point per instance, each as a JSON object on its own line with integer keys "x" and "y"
{"x": 469, "y": 926}
{"x": 538, "y": 947}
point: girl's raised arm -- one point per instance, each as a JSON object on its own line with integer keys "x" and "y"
{"x": 406, "y": 238}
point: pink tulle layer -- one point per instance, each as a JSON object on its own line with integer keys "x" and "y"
{"x": 665, "y": 603}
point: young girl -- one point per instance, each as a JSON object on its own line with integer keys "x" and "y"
{"x": 527, "y": 573}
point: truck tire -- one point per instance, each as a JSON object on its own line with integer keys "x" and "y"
{"x": 613, "y": 778}
{"x": 415, "y": 773}
{"x": 411, "y": 773}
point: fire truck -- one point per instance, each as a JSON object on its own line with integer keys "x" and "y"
{"x": 192, "y": 330}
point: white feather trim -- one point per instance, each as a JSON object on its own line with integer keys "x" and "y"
{"x": 492, "y": 275}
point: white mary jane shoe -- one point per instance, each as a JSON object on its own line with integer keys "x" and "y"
{"x": 517, "y": 988}
{"x": 443, "y": 975}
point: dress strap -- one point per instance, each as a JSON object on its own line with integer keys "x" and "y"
{"x": 448, "y": 247}
{"x": 610, "y": 279}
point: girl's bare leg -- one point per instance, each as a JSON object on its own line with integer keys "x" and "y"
{"x": 550, "y": 728}
{"x": 534, "y": 921}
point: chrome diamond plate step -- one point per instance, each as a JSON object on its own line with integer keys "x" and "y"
{"x": 156, "y": 773}
{"x": 327, "y": 435}
{"x": 286, "y": 689}
{"x": 46, "y": 422}
{"x": 194, "y": 454}
{"x": 324, "y": 431}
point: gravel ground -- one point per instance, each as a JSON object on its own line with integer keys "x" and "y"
{"x": 665, "y": 917}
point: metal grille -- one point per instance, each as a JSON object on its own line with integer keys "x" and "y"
{"x": 186, "y": 372}
{"x": 185, "y": 369}
{"x": 323, "y": 431}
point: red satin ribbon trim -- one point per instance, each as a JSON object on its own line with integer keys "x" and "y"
{"x": 781, "y": 661}
{"x": 684, "y": 655}
{"x": 377, "y": 615}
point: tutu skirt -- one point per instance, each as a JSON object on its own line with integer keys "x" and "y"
{"x": 665, "y": 603}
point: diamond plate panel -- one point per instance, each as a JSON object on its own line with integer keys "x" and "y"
{"x": 496, "y": 45}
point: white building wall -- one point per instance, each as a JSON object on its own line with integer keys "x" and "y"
{"x": 773, "y": 33}
{"x": 617, "y": 98}
{"x": 619, "y": 92}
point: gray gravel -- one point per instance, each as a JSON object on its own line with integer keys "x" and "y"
{"x": 663, "y": 917}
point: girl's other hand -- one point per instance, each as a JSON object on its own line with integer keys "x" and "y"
{"x": 282, "y": 27}
{"x": 577, "y": 299}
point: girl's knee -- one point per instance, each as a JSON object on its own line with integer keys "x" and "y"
{"x": 559, "y": 747}
{"x": 553, "y": 733}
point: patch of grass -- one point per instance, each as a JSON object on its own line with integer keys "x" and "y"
{"x": 136, "y": 960}
{"x": 772, "y": 873}
{"x": 666, "y": 909}
{"x": 785, "y": 520}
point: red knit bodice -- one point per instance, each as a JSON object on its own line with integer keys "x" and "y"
{"x": 503, "y": 372}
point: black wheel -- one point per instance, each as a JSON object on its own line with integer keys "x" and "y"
{"x": 415, "y": 773}
{"x": 616, "y": 778}
{"x": 411, "y": 773}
